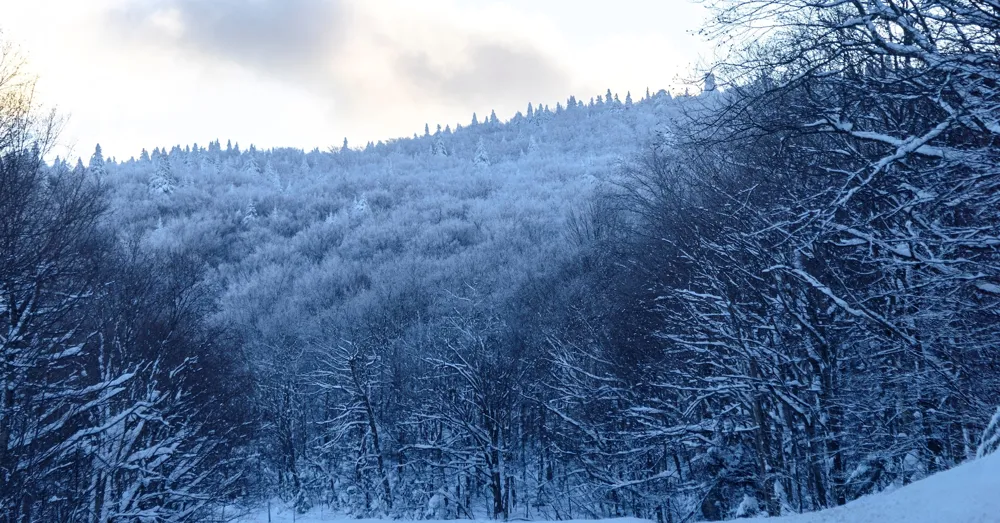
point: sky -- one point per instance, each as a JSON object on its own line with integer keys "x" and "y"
{"x": 134, "y": 74}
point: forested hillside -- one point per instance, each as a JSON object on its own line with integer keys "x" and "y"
{"x": 775, "y": 296}
{"x": 380, "y": 298}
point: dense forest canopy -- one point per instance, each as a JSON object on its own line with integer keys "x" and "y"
{"x": 775, "y": 296}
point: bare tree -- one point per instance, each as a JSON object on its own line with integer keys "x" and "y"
{"x": 353, "y": 375}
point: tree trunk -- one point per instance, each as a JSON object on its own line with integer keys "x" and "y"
{"x": 373, "y": 427}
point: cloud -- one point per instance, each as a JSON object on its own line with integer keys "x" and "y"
{"x": 279, "y": 36}
{"x": 351, "y": 53}
{"x": 493, "y": 70}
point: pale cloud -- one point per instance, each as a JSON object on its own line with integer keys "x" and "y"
{"x": 490, "y": 72}
{"x": 351, "y": 52}
{"x": 144, "y": 73}
{"x": 273, "y": 37}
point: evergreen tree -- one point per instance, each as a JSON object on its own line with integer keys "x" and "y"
{"x": 250, "y": 166}
{"x": 532, "y": 144}
{"x": 97, "y": 167}
{"x": 162, "y": 181}
{"x": 482, "y": 157}
{"x": 250, "y": 214}
{"x": 272, "y": 176}
{"x": 439, "y": 148}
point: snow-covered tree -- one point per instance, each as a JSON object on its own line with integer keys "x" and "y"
{"x": 162, "y": 180}
{"x": 250, "y": 166}
{"x": 96, "y": 166}
{"x": 481, "y": 157}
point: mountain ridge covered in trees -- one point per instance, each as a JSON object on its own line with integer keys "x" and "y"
{"x": 774, "y": 297}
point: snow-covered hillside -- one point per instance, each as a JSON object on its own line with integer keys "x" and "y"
{"x": 965, "y": 494}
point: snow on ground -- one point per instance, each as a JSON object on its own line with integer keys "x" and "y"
{"x": 316, "y": 517}
{"x": 969, "y": 493}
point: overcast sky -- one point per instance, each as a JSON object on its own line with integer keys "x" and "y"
{"x": 306, "y": 73}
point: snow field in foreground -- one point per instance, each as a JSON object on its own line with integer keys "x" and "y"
{"x": 969, "y": 493}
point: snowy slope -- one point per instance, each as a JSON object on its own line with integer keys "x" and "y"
{"x": 969, "y": 493}
{"x": 316, "y": 517}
